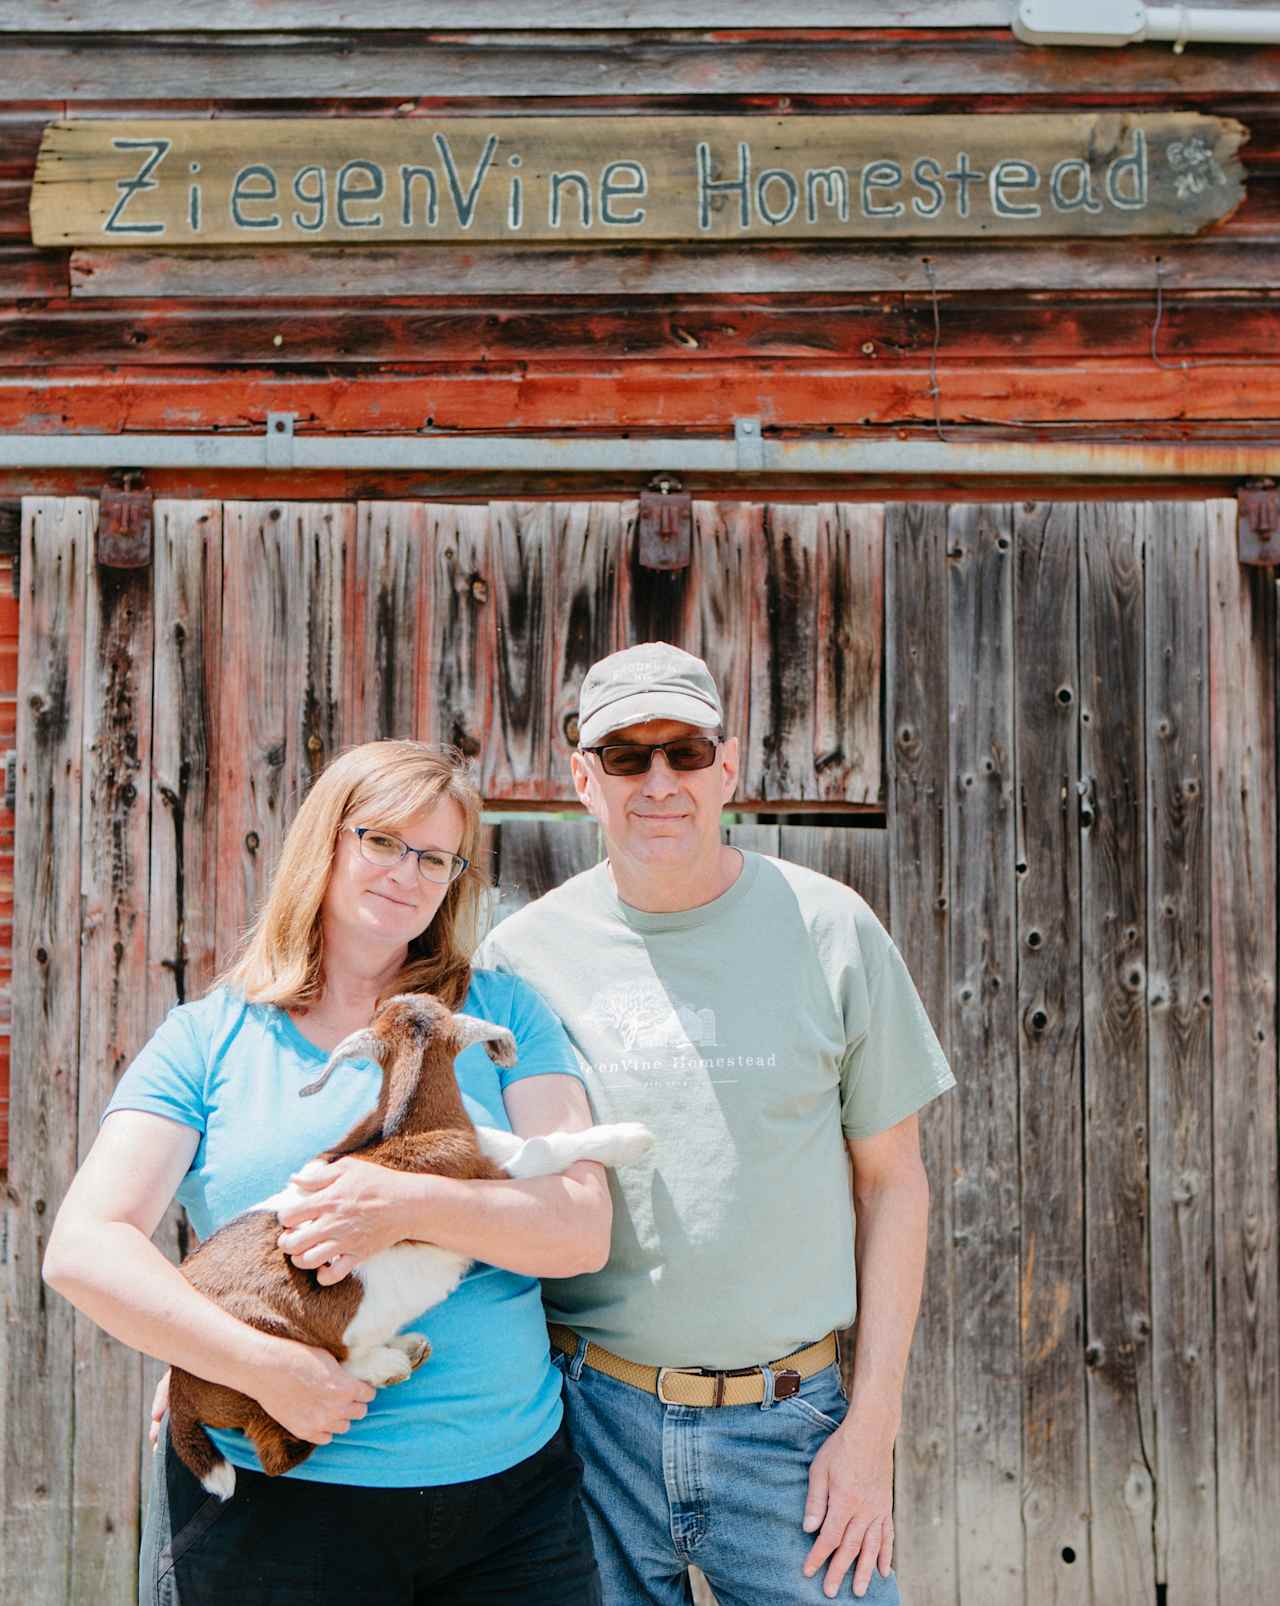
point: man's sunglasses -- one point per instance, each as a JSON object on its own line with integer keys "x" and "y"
{"x": 634, "y": 758}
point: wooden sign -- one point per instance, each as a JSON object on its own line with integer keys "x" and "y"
{"x": 629, "y": 180}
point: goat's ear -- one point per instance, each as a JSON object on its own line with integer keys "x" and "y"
{"x": 364, "y": 1044}
{"x": 498, "y": 1041}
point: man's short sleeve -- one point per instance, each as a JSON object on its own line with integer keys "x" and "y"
{"x": 542, "y": 1045}
{"x": 896, "y": 1065}
{"x": 168, "y": 1076}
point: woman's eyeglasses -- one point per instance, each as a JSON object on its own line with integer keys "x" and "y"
{"x": 634, "y": 758}
{"x": 384, "y": 850}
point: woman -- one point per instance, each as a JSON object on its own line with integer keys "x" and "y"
{"x": 457, "y": 1485}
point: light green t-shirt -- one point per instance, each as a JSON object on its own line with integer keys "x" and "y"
{"x": 752, "y": 1035}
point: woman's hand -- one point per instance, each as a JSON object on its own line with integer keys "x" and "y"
{"x": 352, "y": 1211}
{"x": 307, "y": 1392}
{"x": 159, "y": 1405}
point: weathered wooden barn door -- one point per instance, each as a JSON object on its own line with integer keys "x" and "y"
{"x": 1077, "y": 774}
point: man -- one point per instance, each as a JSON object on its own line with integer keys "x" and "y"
{"x": 757, "y": 1017}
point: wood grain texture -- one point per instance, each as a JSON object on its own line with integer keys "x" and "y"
{"x": 516, "y": 762}
{"x": 629, "y": 180}
{"x": 1055, "y": 1433}
{"x": 255, "y": 801}
{"x": 427, "y": 334}
{"x": 917, "y": 660}
{"x": 1114, "y": 941}
{"x": 590, "y": 541}
{"x": 392, "y": 571}
{"x": 249, "y": 16}
{"x": 115, "y": 893}
{"x": 849, "y": 606}
{"x": 455, "y": 688}
{"x": 533, "y": 856}
{"x": 983, "y": 1041}
{"x": 1242, "y": 747}
{"x": 181, "y": 939}
{"x": 1179, "y": 1006}
{"x": 777, "y": 759}
{"x": 321, "y": 539}
{"x": 336, "y": 271}
{"x": 291, "y": 66}
{"x": 57, "y": 544}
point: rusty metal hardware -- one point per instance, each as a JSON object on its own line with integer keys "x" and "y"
{"x": 11, "y": 540}
{"x": 666, "y": 524}
{"x": 125, "y": 518}
{"x": 1258, "y": 523}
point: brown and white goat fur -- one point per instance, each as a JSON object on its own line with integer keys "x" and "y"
{"x": 418, "y": 1124}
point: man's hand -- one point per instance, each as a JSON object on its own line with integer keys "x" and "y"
{"x": 352, "y": 1210}
{"x": 850, "y": 1505}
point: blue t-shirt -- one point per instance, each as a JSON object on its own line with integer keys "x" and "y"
{"x": 488, "y": 1396}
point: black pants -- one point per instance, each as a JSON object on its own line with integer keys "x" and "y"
{"x": 520, "y": 1535}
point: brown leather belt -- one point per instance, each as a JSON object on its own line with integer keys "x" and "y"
{"x": 692, "y": 1385}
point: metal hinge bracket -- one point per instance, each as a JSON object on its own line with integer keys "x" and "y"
{"x": 125, "y": 518}
{"x": 748, "y": 433}
{"x": 666, "y": 524}
{"x": 280, "y": 439}
{"x": 1258, "y": 523}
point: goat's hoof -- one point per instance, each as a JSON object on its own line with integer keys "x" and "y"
{"x": 415, "y": 1345}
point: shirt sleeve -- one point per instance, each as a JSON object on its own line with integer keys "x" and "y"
{"x": 542, "y": 1044}
{"x": 168, "y": 1076}
{"x": 895, "y": 1066}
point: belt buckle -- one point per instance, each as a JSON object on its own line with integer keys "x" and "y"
{"x": 686, "y": 1371}
{"x": 785, "y": 1384}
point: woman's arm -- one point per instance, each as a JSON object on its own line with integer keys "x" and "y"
{"x": 543, "y": 1226}
{"x": 101, "y": 1258}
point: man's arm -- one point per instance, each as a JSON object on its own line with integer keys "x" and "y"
{"x": 543, "y": 1226}
{"x": 850, "y": 1500}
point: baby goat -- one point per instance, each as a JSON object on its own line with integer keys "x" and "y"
{"x": 418, "y": 1124}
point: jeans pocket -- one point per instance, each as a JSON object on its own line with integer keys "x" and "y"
{"x": 821, "y": 1399}
{"x": 802, "y": 1407}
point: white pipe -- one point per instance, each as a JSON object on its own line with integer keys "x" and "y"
{"x": 631, "y": 457}
{"x": 1127, "y": 22}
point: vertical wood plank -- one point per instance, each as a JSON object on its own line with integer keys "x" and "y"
{"x": 983, "y": 1039}
{"x": 114, "y": 888}
{"x": 456, "y": 640}
{"x": 916, "y": 707}
{"x": 56, "y": 545}
{"x": 716, "y": 629}
{"x": 391, "y": 602}
{"x": 1180, "y": 981}
{"x": 534, "y": 855}
{"x": 516, "y": 762}
{"x": 755, "y": 838}
{"x": 858, "y": 858}
{"x": 254, "y": 718}
{"x": 1242, "y": 741}
{"x": 318, "y": 537}
{"x": 181, "y": 939}
{"x": 1113, "y": 901}
{"x": 849, "y": 617}
{"x": 586, "y": 625}
{"x": 778, "y": 757}
{"x": 1055, "y": 1429}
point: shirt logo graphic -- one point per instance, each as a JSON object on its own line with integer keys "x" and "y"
{"x": 645, "y": 1016}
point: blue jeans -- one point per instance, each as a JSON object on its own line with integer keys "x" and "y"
{"x": 721, "y": 1487}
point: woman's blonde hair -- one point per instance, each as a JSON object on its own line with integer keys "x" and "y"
{"x": 379, "y": 783}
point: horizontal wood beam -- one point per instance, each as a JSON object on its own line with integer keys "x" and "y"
{"x": 295, "y": 66}
{"x": 654, "y": 397}
{"x": 1212, "y": 264}
{"x": 890, "y": 330}
{"x": 250, "y": 16}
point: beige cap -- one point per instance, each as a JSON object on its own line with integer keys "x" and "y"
{"x": 652, "y": 681}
